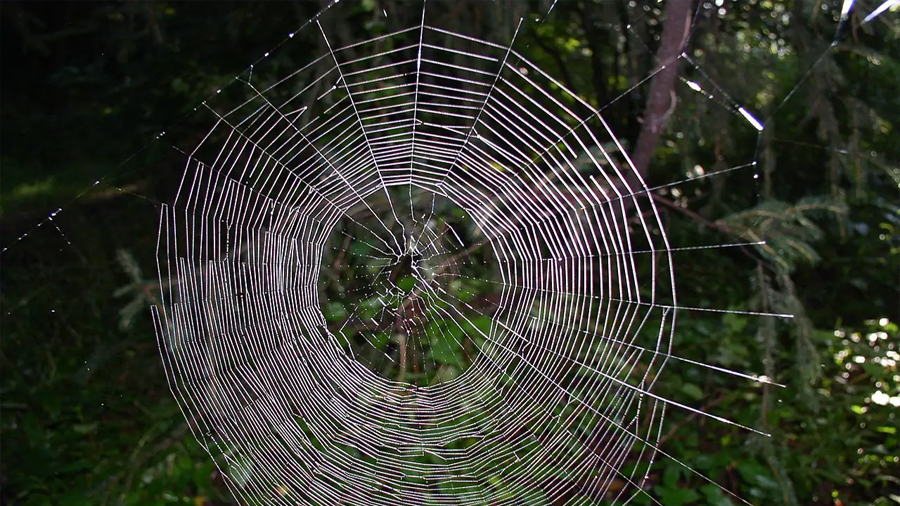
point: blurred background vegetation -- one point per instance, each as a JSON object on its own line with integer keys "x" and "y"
{"x": 87, "y": 417}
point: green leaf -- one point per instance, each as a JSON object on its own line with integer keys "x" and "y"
{"x": 735, "y": 323}
{"x": 180, "y": 86}
{"x": 445, "y": 350}
{"x": 671, "y": 475}
{"x": 380, "y": 339}
{"x": 692, "y": 391}
{"x": 757, "y": 474}
{"x": 714, "y": 496}
{"x": 359, "y": 248}
{"x": 480, "y": 327}
{"x": 406, "y": 283}
{"x": 676, "y": 496}
{"x": 85, "y": 428}
{"x": 335, "y": 312}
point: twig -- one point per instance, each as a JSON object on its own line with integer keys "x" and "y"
{"x": 687, "y": 212}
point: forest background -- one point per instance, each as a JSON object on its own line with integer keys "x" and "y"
{"x": 87, "y": 417}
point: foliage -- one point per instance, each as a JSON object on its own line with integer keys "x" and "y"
{"x": 86, "y": 416}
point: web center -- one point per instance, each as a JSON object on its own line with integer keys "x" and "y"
{"x": 407, "y": 286}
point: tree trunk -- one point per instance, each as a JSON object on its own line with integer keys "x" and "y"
{"x": 661, "y": 101}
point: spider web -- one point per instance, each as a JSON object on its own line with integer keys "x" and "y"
{"x": 419, "y": 270}
{"x": 433, "y": 165}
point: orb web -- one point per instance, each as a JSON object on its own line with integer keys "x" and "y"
{"x": 417, "y": 270}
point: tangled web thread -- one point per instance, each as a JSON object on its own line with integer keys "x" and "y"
{"x": 417, "y": 270}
